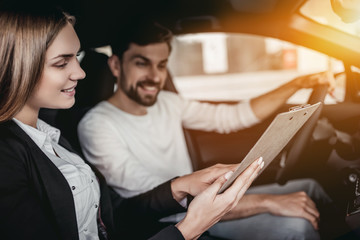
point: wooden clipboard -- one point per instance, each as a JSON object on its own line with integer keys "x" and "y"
{"x": 281, "y": 130}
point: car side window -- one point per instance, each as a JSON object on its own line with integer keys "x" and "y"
{"x": 233, "y": 67}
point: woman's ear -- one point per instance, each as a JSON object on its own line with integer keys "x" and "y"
{"x": 115, "y": 65}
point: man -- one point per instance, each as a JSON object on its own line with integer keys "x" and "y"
{"x": 135, "y": 138}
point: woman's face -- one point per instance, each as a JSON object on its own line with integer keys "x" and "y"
{"x": 56, "y": 88}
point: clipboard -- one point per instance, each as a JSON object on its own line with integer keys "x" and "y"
{"x": 281, "y": 130}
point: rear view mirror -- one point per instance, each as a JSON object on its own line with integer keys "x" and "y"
{"x": 347, "y": 10}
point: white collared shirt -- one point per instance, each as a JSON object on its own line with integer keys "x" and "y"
{"x": 81, "y": 179}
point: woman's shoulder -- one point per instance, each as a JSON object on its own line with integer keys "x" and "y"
{"x": 9, "y": 130}
{"x": 13, "y": 140}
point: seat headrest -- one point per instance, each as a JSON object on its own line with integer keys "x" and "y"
{"x": 99, "y": 82}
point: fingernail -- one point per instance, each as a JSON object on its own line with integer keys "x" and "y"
{"x": 262, "y": 165}
{"x": 228, "y": 175}
{"x": 260, "y": 160}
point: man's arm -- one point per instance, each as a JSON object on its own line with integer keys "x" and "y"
{"x": 225, "y": 118}
{"x": 266, "y": 104}
{"x": 296, "y": 204}
{"x": 222, "y": 118}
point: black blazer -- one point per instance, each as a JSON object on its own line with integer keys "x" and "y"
{"x": 36, "y": 201}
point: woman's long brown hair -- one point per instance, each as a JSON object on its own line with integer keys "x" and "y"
{"x": 24, "y": 39}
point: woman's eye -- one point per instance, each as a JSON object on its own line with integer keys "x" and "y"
{"x": 61, "y": 64}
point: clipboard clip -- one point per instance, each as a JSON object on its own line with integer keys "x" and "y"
{"x": 295, "y": 108}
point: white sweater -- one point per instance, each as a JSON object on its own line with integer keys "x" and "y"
{"x": 137, "y": 153}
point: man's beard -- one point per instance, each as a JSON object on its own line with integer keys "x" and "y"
{"x": 132, "y": 93}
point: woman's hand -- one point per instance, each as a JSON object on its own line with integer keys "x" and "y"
{"x": 209, "y": 207}
{"x": 198, "y": 181}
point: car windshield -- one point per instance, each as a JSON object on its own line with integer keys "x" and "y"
{"x": 321, "y": 12}
{"x": 233, "y": 67}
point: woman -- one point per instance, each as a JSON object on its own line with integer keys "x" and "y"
{"x": 47, "y": 191}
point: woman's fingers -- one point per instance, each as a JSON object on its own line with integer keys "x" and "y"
{"x": 245, "y": 178}
{"x": 215, "y": 187}
{"x": 260, "y": 163}
{"x": 209, "y": 207}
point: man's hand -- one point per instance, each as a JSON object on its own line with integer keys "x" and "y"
{"x": 266, "y": 104}
{"x": 198, "y": 181}
{"x": 313, "y": 80}
{"x": 296, "y": 204}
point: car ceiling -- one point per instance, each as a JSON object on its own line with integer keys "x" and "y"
{"x": 99, "y": 21}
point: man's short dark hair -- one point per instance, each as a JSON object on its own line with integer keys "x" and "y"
{"x": 142, "y": 32}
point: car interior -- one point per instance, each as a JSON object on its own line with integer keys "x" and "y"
{"x": 327, "y": 148}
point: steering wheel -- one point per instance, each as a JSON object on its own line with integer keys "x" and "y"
{"x": 293, "y": 152}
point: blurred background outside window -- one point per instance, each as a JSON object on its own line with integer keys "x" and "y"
{"x": 232, "y": 67}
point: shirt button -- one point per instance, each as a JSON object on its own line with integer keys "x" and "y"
{"x": 92, "y": 180}
{"x": 96, "y": 206}
{"x": 85, "y": 230}
{"x": 73, "y": 187}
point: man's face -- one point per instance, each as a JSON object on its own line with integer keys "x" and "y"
{"x": 144, "y": 71}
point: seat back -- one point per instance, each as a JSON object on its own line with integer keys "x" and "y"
{"x": 98, "y": 84}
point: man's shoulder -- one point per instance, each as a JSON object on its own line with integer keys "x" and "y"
{"x": 102, "y": 109}
{"x": 169, "y": 97}
{"x": 96, "y": 114}
{"x": 168, "y": 94}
